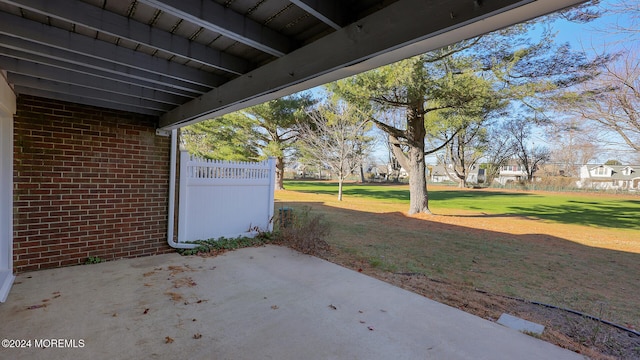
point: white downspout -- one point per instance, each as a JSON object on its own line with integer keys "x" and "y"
{"x": 172, "y": 195}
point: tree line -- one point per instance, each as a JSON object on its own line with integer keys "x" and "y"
{"x": 479, "y": 100}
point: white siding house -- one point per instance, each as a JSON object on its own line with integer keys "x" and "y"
{"x": 610, "y": 177}
{"x": 511, "y": 172}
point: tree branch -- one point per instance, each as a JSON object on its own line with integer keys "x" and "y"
{"x": 444, "y": 144}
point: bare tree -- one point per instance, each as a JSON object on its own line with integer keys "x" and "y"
{"x": 573, "y": 144}
{"x": 499, "y": 150}
{"x": 612, "y": 100}
{"x": 463, "y": 152}
{"x": 530, "y": 156}
{"x": 627, "y": 13}
{"x": 625, "y": 16}
{"x": 336, "y": 136}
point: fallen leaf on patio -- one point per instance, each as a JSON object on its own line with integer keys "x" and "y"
{"x": 168, "y": 340}
{"x": 177, "y": 269}
{"x": 45, "y": 300}
{"x": 148, "y": 273}
{"x": 36, "y": 306}
{"x": 188, "y": 282}
{"x": 147, "y": 284}
{"x": 174, "y": 296}
{"x": 370, "y": 328}
{"x": 361, "y": 312}
{"x": 360, "y": 270}
{"x": 146, "y": 311}
{"x": 362, "y": 321}
{"x": 55, "y": 293}
{"x": 56, "y": 296}
{"x": 331, "y": 306}
{"x": 115, "y": 315}
{"x": 197, "y": 336}
{"x": 274, "y": 307}
{"x": 383, "y": 310}
{"x": 194, "y": 320}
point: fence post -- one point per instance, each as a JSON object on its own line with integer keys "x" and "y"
{"x": 272, "y": 189}
{"x": 182, "y": 197}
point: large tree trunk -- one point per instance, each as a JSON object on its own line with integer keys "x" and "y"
{"x": 279, "y": 173}
{"x": 413, "y": 161}
{"x": 418, "y": 195}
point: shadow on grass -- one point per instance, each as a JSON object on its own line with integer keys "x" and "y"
{"x": 618, "y": 216}
{"x": 382, "y": 192}
{"x": 618, "y": 213}
{"x": 387, "y": 191}
{"x": 606, "y": 216}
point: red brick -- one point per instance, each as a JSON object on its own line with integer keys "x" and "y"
{"x": 88, "y": 181}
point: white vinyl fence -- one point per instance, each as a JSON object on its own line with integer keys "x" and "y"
{"x": 222, "y": 198}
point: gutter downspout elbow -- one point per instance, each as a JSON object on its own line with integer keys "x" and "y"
{"x": 172, "y": 195}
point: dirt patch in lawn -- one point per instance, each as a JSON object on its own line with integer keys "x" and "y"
{"x": 483, "y": 264}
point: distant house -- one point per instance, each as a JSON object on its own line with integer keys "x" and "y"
{"x": 402, "y": 173}
{"x": 443, "y": 173}
{"x": 610, "y": 177}
{"x": 511, "y": 172}
{"x": 439, "y": 173}
{"x": 381, "y": 171}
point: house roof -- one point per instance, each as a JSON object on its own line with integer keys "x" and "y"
{"x": 619, "y": 172}
{"x": 189, "y": 60}
{"x": 438, "y": 170}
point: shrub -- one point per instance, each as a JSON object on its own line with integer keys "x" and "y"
{"x": 302, "y": 231}
{"x": 299, "y": 230}
{"x": 222, "y": 244}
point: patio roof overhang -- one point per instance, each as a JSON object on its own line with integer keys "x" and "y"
{"x": 190, "y": 60}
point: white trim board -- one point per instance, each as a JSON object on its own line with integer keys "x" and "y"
{"x": 7, "y": 109}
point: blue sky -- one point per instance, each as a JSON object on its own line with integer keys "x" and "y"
{"x": 601, "y": 36}
{"x": 599, "y": 32}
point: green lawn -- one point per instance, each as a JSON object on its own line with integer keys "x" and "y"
{"x": 573, "y": 208}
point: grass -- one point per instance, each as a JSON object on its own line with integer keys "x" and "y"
{"x": 581, "y": 209}
{"x": 571, "y": 251}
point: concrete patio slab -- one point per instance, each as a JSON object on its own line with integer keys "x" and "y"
{"x": 255, "y": 303}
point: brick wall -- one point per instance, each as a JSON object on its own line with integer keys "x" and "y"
{"x": 87, "y": 182}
